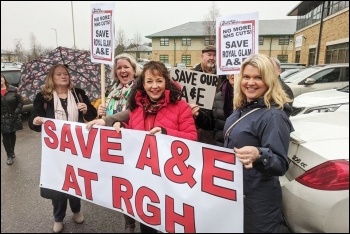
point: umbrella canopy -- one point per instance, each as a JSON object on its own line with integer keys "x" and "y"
{"x": 84, "y": 74}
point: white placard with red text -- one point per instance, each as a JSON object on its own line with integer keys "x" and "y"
{"x": 169, "y": 183}
{"x": 237, "y": 37}
{"x": 102, "y": 32}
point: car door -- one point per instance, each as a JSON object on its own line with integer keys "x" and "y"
{"x": 329, "y": 78}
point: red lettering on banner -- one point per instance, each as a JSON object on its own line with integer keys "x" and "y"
{"x": 67, "y": 141}
{"x": 180, "y": 153}
{"x": 186, "y": 220}
{"x": 86, "y": 149}
{"x": 49, "y": 127}
{"x": 210, "y": 171}
{"x": 143, "y": 194}
{"x": 118, "y": 194}
{"x": 149, "y": 145}
{"x": 70, "y": 181}
{"x": 105, "y": 146}
{"x": 88, "y": 177}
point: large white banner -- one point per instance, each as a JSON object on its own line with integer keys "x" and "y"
{"x": 196, "y": 87}
{"x": 168, "y": 183}
{"x": 237, "y": 37}
{"x": 102, "y": 32}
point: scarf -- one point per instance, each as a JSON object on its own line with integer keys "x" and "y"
{"x": 72, "y": 113}
{"x": 150, "y": 106}
{"x": 117, "y": 98}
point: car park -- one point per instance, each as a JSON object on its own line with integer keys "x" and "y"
{"x": 315, "y": 188}
{"x": 322, "y": 101}
{"x": 13, "y": 76}
{"x": 319, "y": 77}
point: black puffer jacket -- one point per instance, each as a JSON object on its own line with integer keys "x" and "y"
{"x": 11, "y": 107}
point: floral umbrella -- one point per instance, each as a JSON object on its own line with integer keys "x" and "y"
{"x": 84, "y": 74}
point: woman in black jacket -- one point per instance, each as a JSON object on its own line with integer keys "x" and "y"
{"x": 60, "y": 100}
{"x": 11, "y": 106}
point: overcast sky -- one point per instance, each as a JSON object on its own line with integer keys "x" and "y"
{"x": 19, "y": 19}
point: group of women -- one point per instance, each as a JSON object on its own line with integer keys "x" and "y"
{"x": 257, "y": 131}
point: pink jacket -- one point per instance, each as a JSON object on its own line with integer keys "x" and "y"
{"x": 176, "y": 118}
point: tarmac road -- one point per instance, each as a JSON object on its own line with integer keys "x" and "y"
{"x": 23, "y": 210}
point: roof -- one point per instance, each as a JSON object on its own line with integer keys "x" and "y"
{"x": 140, "y": 48}
{"x": 196, "y": 29}
{"x": 304, "y": 7}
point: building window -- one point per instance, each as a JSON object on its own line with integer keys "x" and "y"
{"x": 186, "y": 41}
{"x": 337, "y": 53}
{"x": 261, "y": 40}
{"x": 297, "y": 56}
{"x": 164, "y": 41}
{"x": 283, "y": 58}
{"x": 283, "y": 40}
{"x": 312, "y": 56}
{"x": 186, "y": 59}
{"x": 164, "y": 58}
{"x": 209, "y": 41}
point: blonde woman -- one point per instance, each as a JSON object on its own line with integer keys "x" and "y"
{"x": 260, "y": 141}
{"x": 60, "y": 100}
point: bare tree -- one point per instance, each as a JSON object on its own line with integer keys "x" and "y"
{"x": 137, "y": 42}
{"x": 209, "y": 23}
{"x": 120, "y": 41}
{"x": 19, "y": 49}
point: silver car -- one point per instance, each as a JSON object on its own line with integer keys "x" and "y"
{"x": 319, "y": 77}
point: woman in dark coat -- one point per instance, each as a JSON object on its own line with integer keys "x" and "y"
{"x": 11, "y": 106}
{"x": 60, "y": 100}
{"x": 260, "y": 141}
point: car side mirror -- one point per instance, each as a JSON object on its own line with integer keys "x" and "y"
{"x": 309, "y": 81}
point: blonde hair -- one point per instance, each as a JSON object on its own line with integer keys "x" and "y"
{"x": 50, "y": 85}
{"x": 274, "y": 93}
{"x": 136, "y": 67}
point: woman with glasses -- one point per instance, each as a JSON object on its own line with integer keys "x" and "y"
{"x": 59, "y": 99}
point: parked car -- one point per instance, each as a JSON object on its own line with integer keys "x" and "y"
{"x": 13, "y": 76}
{"x": 315, "y": 188}
{"x": 287, "y": 73}
{"x": 181, "y": 65}
{"x": 319, "y": 77}
{"x": 322, "y": 101}
{"x": 288, "y": 66}
{"x": 168, "y": 66}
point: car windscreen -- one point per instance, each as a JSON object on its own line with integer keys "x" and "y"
{"x": 12, "y": 77}
{"x": 284, "y": 75}
{"x": 302, "y": 74}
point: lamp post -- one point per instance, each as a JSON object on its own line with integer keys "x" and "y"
{"x": 56, "y": 36}
{"x": 71, "y": 4}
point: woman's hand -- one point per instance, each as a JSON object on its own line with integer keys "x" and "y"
{"x": 117, "y": 126}
{"x": 96, "y": 122}
{"x": 155, "y": 130}
{"x": 82, "y": 107}
{"x": 247, "y": 155}
{"x": 101, "y": 110}
{"x": 38, "y": 120}
{"x": 195, "y": 109}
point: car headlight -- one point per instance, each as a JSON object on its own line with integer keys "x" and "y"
{"x": 320, "y": 109}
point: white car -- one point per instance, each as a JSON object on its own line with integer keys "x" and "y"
{"x": 322, "y": 101}
{"x": 319, "y": 77}
{"x": 315, "y": 188}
